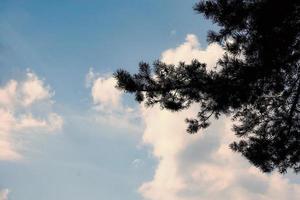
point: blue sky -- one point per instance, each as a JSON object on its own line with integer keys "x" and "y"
{"x": 68, "y": 37}
{"x": 82, "y": 145}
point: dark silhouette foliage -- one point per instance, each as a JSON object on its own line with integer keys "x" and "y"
{"x": 257, "y": 81}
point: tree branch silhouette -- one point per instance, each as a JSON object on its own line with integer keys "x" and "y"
{"x": 257, "y": 84}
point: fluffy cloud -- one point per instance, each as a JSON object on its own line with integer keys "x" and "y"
{"x": 190, "y": 167}
{"x": 191, "y": 50}
{"x": 8, "y": 94}
{"x": 17, "y": 102}
{"x": 162, "y": 134}
{"x": 103, "y": 91}
{"x": 33, "y": 89}
{"x": 107, "y": 100}
{"x": 4, "y": 194}
{"x": 201, "y": 166}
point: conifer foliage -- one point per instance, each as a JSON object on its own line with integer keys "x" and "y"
{"x": 257, "y": 81}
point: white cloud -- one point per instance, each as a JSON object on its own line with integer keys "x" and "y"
{"x": 107, "y": 100}
{"x": 17, "y": 99}
{"x": 161, "y": 132}
{"x": 104, "y": 92}
{"x": 191, "y": 50}
{"x": 190, "y": 167}
{"x": 33, "y": 89}
{"x": 52, "y": 122}
{"x": 8, "y": 94}
{"x": 201, "y": 166}
{"x": 7, "y": 150}
{"x": 4, "y": 194}
{"x": 24, "y": 93}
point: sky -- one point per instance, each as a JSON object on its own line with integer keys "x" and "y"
{"x": 67, "y": 133}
